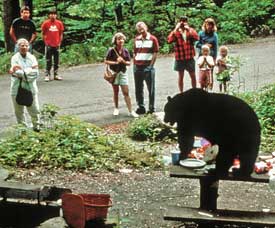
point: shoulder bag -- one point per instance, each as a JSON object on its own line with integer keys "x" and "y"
{"x": 24, "y": 96}
{"x": 109, "y": 75}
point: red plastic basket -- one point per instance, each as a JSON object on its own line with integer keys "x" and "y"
{"x": 77, "y": 209}
{"x": 96, "y": 205}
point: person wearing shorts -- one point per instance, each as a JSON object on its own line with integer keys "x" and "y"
{"x": 206, "y": 64}
{"x": 117, "y": 59}
{"x": 184, "y": 38}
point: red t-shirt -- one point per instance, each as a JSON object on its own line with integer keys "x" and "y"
{"x": 52, "y": 31}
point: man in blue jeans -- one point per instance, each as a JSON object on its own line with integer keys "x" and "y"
{"x": 145, "y": 53}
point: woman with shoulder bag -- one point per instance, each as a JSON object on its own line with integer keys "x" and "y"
{"x": 117, "y": 59}
{"x": 24, "y": 72}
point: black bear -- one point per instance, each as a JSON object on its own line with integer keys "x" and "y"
{"x": 223, "y": 120}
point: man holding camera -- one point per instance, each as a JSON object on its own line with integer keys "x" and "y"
{"x": 184, "y": 38}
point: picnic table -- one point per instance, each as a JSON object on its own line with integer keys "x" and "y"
{"x": 27, "y": 204}
{"x": 208, "y": 213}
{"x": 19, "y": 190}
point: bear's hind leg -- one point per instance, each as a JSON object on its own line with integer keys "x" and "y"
{"x": 247, "y": 162}
{"x": 224, "y": 161}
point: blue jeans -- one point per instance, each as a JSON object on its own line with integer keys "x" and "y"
{"x": 147, "y": 74}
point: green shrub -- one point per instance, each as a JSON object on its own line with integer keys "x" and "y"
{"x": 5, "y": 61}
{"x": 148, "y": 127}
{"x": 73, "y": 144}
{"x": 263, "y": 103}
{"x": 82, "y": 53}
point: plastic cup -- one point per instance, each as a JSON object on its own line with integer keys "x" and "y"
{"x": 175, "y": 157}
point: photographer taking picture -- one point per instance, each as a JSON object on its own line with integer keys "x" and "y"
{"x": 184, "y": 38}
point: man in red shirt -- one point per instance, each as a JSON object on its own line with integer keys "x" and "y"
{"x": 184, "y": 38}
{"x": 146, "y": 47}
{"x": 52, "y": 31}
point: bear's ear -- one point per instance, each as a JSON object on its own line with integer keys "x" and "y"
{"x": 169, "y": 98}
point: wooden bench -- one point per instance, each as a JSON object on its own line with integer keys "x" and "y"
{"x": 17, "y": 207}
{"x": 208, "y": 213}
{"x": 19, "y": 190}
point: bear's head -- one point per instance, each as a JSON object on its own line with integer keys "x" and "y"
{"x": 184, "y": 105}
{"x": 170, "y": 111}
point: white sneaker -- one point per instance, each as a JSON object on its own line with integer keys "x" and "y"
{"x": 47, "y": 78}
{"x": 116, "y": 112}
{"x": 133, "y": 114}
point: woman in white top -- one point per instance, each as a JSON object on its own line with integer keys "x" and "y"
{"x": 24, "y": 67}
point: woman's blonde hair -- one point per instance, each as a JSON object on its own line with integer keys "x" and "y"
{"x": 209, "y": 21}
{"x": 118, "y": 35}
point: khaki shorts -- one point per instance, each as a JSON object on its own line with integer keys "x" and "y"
{"x": 121, "y": 79}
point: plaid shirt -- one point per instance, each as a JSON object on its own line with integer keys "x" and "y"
{"x": 184, "y": 49}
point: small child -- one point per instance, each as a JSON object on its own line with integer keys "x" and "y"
{"x": 223, "y": 65}
{"x": 206, "y": 63}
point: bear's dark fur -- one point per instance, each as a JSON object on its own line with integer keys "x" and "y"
{"x": 223, "y": 120}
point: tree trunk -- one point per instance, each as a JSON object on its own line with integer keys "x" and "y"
{"x": 11, "y": 10}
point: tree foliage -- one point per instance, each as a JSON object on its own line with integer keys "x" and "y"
{"x": 92, "y": 23}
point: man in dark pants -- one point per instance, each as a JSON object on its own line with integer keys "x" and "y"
{"x": 23, "y": 27}
{"x": 145, "y": 53}
{"x": 52, "y": 31}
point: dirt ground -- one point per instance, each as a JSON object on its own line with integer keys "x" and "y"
{"x": 140, "y": 198}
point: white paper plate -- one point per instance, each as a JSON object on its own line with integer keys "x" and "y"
{"x": 192, "y": 163}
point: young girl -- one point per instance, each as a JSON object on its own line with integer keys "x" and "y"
{"x": 206, "y": 63}
{"x": 223, "y": 65}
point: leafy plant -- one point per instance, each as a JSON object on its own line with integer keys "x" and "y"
{"x": 73, "y": 144}
{"x": 48, "y": 114}
{"x": 263, "y": 104}
{"x": 5, "y": 62}
{"x": 148, "y": 127}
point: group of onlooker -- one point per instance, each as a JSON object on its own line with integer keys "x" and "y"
{"x": 145, "y": 52}
{"x": 24, "y": 66}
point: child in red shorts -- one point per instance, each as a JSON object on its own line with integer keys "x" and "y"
{"x": 206, "y": 63}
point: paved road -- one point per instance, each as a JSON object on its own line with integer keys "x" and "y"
{"x": 85, "y": 93}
